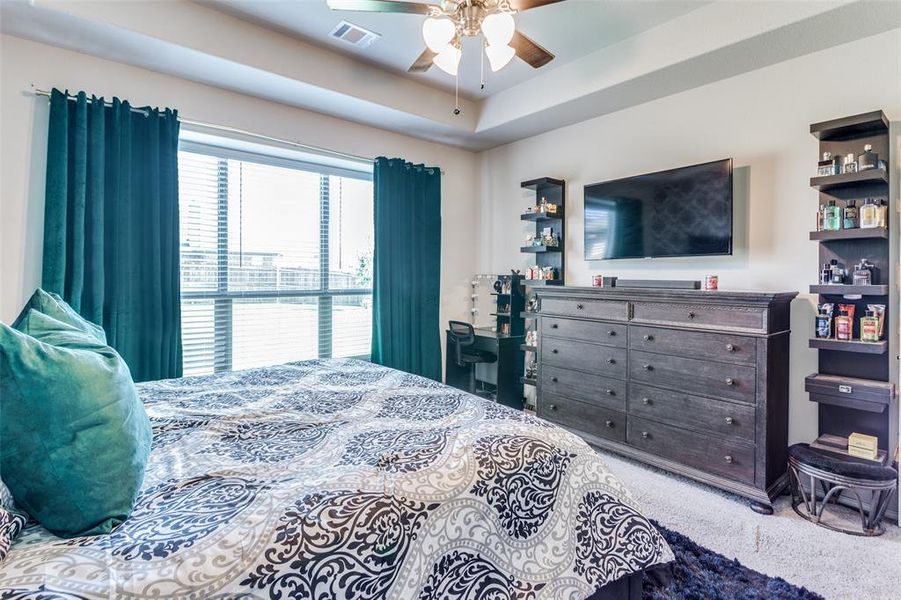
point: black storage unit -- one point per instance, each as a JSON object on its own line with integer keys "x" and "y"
{"x": 554, "y": 192}
{"x": 853, "y": 386}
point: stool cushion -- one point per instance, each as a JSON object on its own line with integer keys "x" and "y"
{"x": 824, "y": 461}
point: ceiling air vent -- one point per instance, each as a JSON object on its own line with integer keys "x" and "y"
{"x": 354, "y": 34}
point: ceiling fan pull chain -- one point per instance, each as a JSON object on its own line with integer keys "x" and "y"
{"x": 482, "y": 65}
{"x": 457, "y": 93}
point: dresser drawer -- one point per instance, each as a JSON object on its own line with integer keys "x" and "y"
{"x": 725, "y": 347}
{"x": 608, "y": 334}
{"x": 727, "y": 457}
{"x": 598, "y": 360}
{"x": 693, "y": 412}
{"x": 602, "y": 422}
{"x": 719, "y": 380}
{"x": 613, "y": 310}
{"x": 728, "y": 318}
{"x": 603, "y": 391}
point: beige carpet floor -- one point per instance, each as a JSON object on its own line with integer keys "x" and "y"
{"x": 835, "y": 565}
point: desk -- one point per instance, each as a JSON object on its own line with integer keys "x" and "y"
{"x": 509, "y": 365}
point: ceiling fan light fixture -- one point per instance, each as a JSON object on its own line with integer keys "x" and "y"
{"x": 498, "y": 28}
{"x": 438, "y": 33}
{"x": 448, "y": 60}
{"x": 499, "y": 56}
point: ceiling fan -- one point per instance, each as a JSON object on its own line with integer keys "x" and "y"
{"x": 451, "y": 20}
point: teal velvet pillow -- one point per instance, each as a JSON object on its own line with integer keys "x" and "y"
{"x": 75, "y": 435}
{"x": 53, "y": 306}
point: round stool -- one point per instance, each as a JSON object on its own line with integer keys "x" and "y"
{"x": 835, "y": 475}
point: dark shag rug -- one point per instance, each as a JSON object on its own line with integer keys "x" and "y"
{"x": 701, "y": 574}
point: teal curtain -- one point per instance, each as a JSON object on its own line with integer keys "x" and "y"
{"x": 406, "y": 289}
{"x": 111, "y": 245}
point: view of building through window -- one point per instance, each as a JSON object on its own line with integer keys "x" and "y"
{"x": 276, "y": 262}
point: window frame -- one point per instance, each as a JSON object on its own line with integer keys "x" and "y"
{"x": 223, "y": 298}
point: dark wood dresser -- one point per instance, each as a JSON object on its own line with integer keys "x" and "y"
{"x": 690, "y": 381}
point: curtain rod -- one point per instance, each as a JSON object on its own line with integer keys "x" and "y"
{"x": 228, "y": 129}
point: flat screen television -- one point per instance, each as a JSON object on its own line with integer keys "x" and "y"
{"x": 679, "y": 212}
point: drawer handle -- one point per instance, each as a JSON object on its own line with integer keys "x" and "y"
{"x": 645, "y": 434}
{"x": 554, "y": 326}
{"x": 611, "y": 393}
{"x": 611, "y": 361}
{"x": 554, "y": 379}
{"x": 554, "y": 351}
{"x": 649, "y": 338}
{"x": 553, "y": 407}
{"x": 646, "y": 401}
{"x": 579, "y": 306}
{"x": 730, "y": 381}
{"x": 730, "y": 348}
{"x": 729, "y": 420}
{"x": 728, "y": 458}
{"x": 609, "y": 423}
{"x": 691, "y": 315}
{"x": 647, "y": 367}
{"x": 611, "y": 333}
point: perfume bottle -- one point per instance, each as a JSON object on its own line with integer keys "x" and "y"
{"x": 869, "y": 214}
{"x": 824, "y": 167}
{"x": 820, "y": 217}
{"x": 881, "y": 213}
{"x": 836, "y": 273}
{"x": 863, "y": 273}
{"x": 824, "y": 322}
{"x": 869, "y": 327}
{"x": 838, "y": 162}
{"x": 850, "y": 165}
{"x": 832, "y": 219}
{"x": 850, "y": 216}
{"x": 826, "y": 275}
{"x": 868, "y": 159}
{"x": 843, "y": 326}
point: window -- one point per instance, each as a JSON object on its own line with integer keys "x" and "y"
{"x": 276, "y": 259}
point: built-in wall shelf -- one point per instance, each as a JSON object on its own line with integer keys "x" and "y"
{"x": 528, "y": 314}
{"x": 528, "y": 348}
{"x": 540, "y": 249}
{"x": 852, "y": 385}
{"x": 529, "y": 381}
{"x": 502, "y": 315}
{"x": 849, "y": 346}
{"x": 827, "y": 183}
{"x": 849, "y": 290}
{"x": 865, "y": 124}
{"x": 542, "y": 183}
{"x": 539, "y": 282}
{"x": 538, "y": 217}
{"x": 874, "y": 233}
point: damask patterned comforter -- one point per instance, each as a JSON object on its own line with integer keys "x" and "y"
{"x": 342, "y": 479}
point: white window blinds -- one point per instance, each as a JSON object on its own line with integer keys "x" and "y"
{"x": 276, "y": 259}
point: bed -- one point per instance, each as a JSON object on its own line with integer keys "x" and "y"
{"x": 343, "y": 479}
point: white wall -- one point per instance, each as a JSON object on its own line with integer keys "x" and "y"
{"x": 23, "y": 136}
{"x": 761, "y": 119}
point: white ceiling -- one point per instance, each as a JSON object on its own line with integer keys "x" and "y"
{"x": 570, "y": 30}
{"x": 611, "y": 55}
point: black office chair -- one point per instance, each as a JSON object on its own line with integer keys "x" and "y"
{"x": 463, "y": 336}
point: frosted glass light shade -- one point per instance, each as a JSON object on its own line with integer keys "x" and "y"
{"x": 438, "y": 33}
{"x": 499, "y": 56}
{"x": 498, "y": 28}
{"x": 448, "y": 60}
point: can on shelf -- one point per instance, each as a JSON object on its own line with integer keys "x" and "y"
{"x": 711, "y": 282}
{"x": 597, "y": 281}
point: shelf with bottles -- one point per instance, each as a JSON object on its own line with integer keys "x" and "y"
{"x": 836, "y": 328}
{"x": 872, "y": 214}
{"x": 847, "y": 289}
{"x": 873, "y": 233}
{"x": 528, "y": 348}
{"x": 827, "y": 183}
{"x": 540, "y": 216}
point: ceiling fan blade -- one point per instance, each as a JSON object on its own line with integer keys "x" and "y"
{"x": 423, "y": 63}
{"x": 521, "y": 5}
{"x": 529, "y": 51}
{"x": 384, "y": 6}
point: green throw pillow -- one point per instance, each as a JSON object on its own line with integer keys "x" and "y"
{"x": 75, "y": 437}
{"x": 53, "y": 306}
